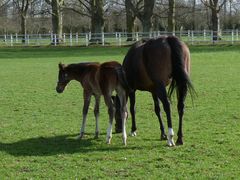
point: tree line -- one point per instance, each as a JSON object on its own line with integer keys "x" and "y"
{"x": 96, "y": 16}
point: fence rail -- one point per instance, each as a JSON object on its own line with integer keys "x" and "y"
{"x": 116, "y": 38}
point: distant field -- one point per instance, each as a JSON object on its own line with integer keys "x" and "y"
{"x": 38, "y": 127}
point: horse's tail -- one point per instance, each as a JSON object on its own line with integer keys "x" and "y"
{"x": 122, "y": 78}
{"x": 180, "y": 79}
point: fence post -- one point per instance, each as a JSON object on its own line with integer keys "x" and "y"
{"x": 236, "y": 34}
{"x": 204, "y": 35}
{"x": 232, "y": 36}
{"x": 119, "y": 39}
{"x": 39, "y": 39}
{"x": 11, "y": 40}
{"x": 86, "y": 39}
{"x": 16, "y": 37}
{"x": 192, "y": 37}
{"x": 70, "y": 36}
{"x": 116, "y": 38}
{"x": 64, "y": 38}
{"x": 188, "y": 34}
{"x": 77, "y": 38}
{"x": 5, "y": 39}
{"x": 103, "y": 39}
{"x": 55, "y": 39}
{"x": 28, "y": 39}
{"x": 137, "y": 37}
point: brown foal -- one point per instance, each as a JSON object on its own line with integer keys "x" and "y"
{"x": 97, "y": 79}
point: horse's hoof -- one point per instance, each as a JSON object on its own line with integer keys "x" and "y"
{"x": 179, "y": 142}
{"x": 163, "y": 137}
{"x": 133, "y": 133}
{"x": 170, "y": 141}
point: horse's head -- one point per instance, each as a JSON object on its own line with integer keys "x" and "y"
{"x": 63, "y": 78}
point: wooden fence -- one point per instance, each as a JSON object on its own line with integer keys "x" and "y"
{"x": 116, "y": 38}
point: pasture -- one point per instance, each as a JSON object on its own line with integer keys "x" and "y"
{"x": 38, "y": 127}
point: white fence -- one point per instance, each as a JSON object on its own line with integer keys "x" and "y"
{"x": 116, "y": 38}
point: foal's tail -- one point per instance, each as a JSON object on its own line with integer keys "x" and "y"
{"x": 180, "y": 79}
{"x": 122, "y": 78}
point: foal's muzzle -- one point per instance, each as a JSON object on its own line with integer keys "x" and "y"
{"x": 60, "y": 87}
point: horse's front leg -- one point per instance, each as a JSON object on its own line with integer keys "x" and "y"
{"x": 96, "y": 113}
{"x": 87, "y": 98}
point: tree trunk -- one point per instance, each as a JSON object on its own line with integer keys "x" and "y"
{"x": 215, "y": 25}
{"x": 57, "y": 19}
{"x": 130, "y": 18}
{"x": 97, "y": 21}
{"x": 171, "y": 16}
{"x": 146, "y": 18}
{"x": 23, "y": 28}
{"x": 194, "y": 15}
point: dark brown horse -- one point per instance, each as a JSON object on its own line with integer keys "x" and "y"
{"x": 96, "y": 80}
{"x": 151, "y": 66}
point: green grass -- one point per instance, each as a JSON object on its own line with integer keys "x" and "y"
{"x": 38, "y": 127}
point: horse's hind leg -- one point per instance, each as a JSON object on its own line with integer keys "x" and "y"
{"x": 181, "y": 99}
{"x": 158, "y": 113}
{"x": 162, "y": 95}
{"x": 132, "y": 99}
{"x": 111, "y": 112}
{"x": 96, "y": 113}
{"x": 87, "y": 98}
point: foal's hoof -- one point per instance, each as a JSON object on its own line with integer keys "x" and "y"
{"x": 179, "y": 142}
{"x": 108, "y": 140}
{"x": 96, "y": 135}
{"x": 80, "y": 136}
{"x": 134, "y": 133}
{"x": 163, "y": 137}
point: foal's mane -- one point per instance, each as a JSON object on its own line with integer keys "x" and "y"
{"x": 81, "y": 67}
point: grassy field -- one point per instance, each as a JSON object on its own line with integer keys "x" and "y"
{"x": 38, "y": 127}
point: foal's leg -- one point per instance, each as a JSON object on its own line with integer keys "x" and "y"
{"x": 132, "y": 98}
{"x": 87, "y": 98}
{"x": 123, "y": 104}
{"x": 158, "y": 113}
{"x": 96, "y": 113}
{"x": 111, "y": 112}
{"x": 181, "y": 99}
{"x": 162, "y": 95}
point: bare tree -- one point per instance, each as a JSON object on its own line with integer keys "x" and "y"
{"x": 215, "y": 6}
{"x": 22, "y": 7}
{"x": 94, "y": 10}
{"x": 143, "y": 9}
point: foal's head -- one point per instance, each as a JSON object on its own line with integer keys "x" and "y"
{"x": 63, "y": 78}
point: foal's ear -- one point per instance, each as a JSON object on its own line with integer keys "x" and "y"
{"x": 61, "y": 66}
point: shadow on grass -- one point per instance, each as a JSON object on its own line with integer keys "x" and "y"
{"x": 48, "y": 146}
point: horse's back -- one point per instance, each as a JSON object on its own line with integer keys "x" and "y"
{"x": 157, "y": 60}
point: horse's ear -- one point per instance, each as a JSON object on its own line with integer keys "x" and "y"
{"x": 61, "y": 66}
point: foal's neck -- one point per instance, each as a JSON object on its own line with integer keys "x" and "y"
{"x": 79, "y": 71}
